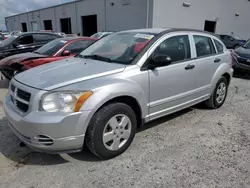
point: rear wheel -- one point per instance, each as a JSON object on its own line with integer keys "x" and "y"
{"x": 111, "y": 130}
{"x": 219, "y": 95}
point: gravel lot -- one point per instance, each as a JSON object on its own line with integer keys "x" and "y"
{"x": 194, "y": 148}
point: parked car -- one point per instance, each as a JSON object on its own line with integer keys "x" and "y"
{"x": 52, "y": 51}
{"x": 232, "y": 42}
{"x": 24, "y": 42}
{"x": 6, "y": 34}
{"x": 2, "y": 37}
{"x": 100, "y": 35}
{"x": 13, "y": 33}
{"x": 58, "y": 33}
{"x": 114, "y": 86}
{"x": 241, "y": 57}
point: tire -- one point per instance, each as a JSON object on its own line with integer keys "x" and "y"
{"x": 105, "y": 122}
{"x": 212, "y": 102}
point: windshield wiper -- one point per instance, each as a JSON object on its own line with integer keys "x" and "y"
{"x": 96, "y": 57}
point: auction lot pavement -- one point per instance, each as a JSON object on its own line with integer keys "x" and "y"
{"x": 194, "y": 148}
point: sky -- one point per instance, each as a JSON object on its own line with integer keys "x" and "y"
{"x": 12, "y": 7}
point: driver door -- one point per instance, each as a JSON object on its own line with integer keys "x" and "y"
{"x": 172, "y": 87}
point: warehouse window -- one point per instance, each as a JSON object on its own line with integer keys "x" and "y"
{"x": 126, "y": 2}
{"x": 204, "y": 46}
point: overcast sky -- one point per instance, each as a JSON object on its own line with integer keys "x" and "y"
{"x": 11, "y": 7}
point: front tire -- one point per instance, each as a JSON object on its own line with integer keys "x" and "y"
{"x": 219, "y": 94}
{"x": 111, "y": 130}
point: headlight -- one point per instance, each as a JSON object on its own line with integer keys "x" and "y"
{"x": 64, "y": 101}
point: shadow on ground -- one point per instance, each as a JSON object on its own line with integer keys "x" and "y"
{"x": 242, "y": 75}
{"x": 4, "y": 84}
{"x": 10, "y": 146}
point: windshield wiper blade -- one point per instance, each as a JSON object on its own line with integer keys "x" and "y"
{"x": 96, "y": 57}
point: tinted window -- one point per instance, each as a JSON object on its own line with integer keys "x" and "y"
{"x": 222, "y": 37}
{"x": 78, "y": 46}
{"x": 44, "y": 37}
{"x": 1, "y": 37}
{"x": 178, "y": 48}
{"x": 8, "y": 41}
{"x": 219, "y": 46}
{"x": 28, "y": 39}
{"x": 204, "y": 46}
{"x": 51, "y": 48}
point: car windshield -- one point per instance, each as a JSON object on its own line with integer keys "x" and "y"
{"x": 118, "y": 48}
{"x": 97, "y": 35}
{"x": 8, "y": 41}
{"x": 51, "y": 48}
{"x": 247, "y": 45}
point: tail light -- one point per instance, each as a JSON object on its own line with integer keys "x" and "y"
{"x": 231, "y": 59}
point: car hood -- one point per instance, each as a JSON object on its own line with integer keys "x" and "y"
{"x": 65, "y": 72}
{"x": 243, "y": 52}
{"x": 19, "y": 58}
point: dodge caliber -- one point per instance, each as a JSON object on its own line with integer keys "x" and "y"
{"x": 101, "y": 96}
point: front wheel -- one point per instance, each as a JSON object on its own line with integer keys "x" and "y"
{"x": 111, "y": 130}
{"x": 219, "y": 94}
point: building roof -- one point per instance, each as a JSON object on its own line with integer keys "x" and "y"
{"x": 43, "y": 8}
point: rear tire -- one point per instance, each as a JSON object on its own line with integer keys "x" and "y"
{"x": 111, "y": 130}
{"x": 219, "y": 94}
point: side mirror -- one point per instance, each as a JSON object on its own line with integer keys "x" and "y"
{"x": 160, "y": 61}
{"x": 66, "y": 53}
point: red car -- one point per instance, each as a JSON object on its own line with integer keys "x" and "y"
{"x": 55, "y": 50}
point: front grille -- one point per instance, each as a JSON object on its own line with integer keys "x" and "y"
{"x": 23, "y": 107}
{"x": 20, "y": 98}
{"x": 23, "y": 95}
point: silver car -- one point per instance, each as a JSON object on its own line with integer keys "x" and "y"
{"x": 122, "y": 81}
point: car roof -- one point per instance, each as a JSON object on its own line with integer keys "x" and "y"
{"x": 162, "y": 31}
{"x": 68, "y": 39}
{"x": 34, "y": 32}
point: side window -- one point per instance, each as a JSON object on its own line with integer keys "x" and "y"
{"x": 78, "y": 46}
{"x": 219, "y": 46}
{"x": 204, "y": 46}
{"x": 177, "y": 47}
{"x": 222, "y": 37}
{"x": 44, "y": 37}
{"x": 28, "y": 39}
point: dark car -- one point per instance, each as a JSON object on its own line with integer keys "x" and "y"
{"x": 25, "y": 42}
{"x": 231, "y": 41}
{"x": 55, "y": 50}
{"x": 241, "y": 57}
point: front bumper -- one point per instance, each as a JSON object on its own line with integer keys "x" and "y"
{"x": 47, "y": 132}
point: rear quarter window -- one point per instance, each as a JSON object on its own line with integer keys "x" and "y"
{"x": 219, "y": 46}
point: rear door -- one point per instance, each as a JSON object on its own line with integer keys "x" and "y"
{"x": 206, "y": 62}
{"x": 43, "y": 38}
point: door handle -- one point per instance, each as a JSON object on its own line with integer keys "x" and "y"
{"x": 217, "y": 60}
{"x": 189, "y": 67}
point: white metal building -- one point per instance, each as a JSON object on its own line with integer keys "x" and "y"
{"x": 88, "y": 16}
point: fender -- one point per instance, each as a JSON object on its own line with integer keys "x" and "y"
{"x": 222, "y": 69}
